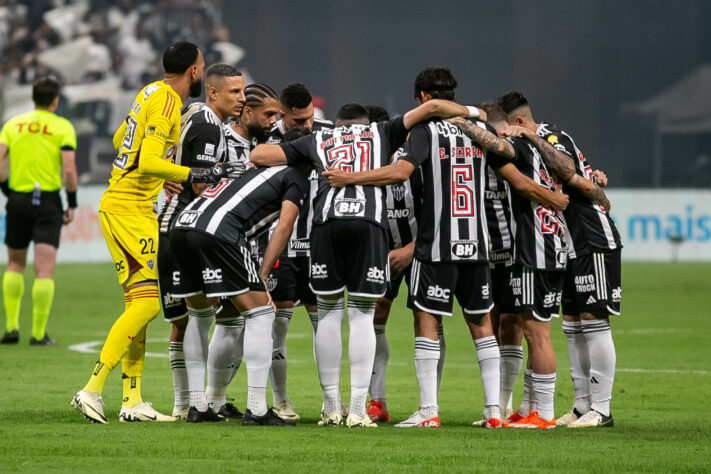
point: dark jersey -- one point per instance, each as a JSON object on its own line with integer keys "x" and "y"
{"x": 539, "y": 231}
{"x": 591, "y": 228}
{"x": 276, "y": 135}
{"x": 238, "y": 147}
{"x": 353, "y": 148}
{"x": 451, "y": 225}
{"x": 497, "y": 206}
{"x": 245, "y": 206}
{"x": 403, "y": 203}
{"x": 300, "y": 242}
{"x": 201, "y": 145}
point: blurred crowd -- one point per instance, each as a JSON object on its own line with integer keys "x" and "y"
{"x": 87, "y": 40}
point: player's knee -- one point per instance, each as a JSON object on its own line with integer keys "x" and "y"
{"x": 147, "y": 308}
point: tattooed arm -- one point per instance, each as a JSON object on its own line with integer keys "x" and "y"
{"x": 484, "y": 137}
{"x": 562, "y": 166}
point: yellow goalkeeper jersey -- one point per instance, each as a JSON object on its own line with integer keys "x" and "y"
{"x": 146, "y": 142}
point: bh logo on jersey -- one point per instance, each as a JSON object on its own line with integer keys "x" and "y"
{"x": 188, "y": 218}
{"x": 318, "y": 271}
{"x": 375, "y": 275}
{"x": 349, "y": 207}
{"x": 212, "y": 276}
{"x": 437, "y": 293}
{"x": 463, "y": 248}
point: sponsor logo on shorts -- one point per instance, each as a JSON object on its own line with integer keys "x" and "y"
{"x": 272, "y": 283}
{"x": 617, "y": 294}
{"x": 515, "y": 284}
{"x": 119, "y": 265}
{"x": 549, "y": 299}
{"x": 585, "y": 283}
{"x": 375, "y": 275}
{"x": 318, "y": 271}
{"x": 176, "y": 278}
{"x": 349, "y": 207}
{"x": 299, "y": 244}
{"x": 485, "y": 290}
{"x": 464, "y": 248}
{"x": 188, "y": 218}
{"x": 591, "y": 300}
{"x": 437, "y": 293}
{"x": 210, "y": 275}
{"x": 169, "y": 301}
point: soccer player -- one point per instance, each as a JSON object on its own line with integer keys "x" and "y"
{"x": 39, "y": 146}
{"x": 212, "y": 233}
{"x": 201, "y": 145}
{"x": 592, "y": 289}
{"x": 349, "y": 241}
{"x": 296, "y": 109}
{"x": 127, "y": 215}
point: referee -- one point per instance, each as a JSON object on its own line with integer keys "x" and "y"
{"x": 36, "y": 155}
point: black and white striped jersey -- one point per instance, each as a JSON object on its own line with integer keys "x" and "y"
{"x": 353, "y": 148}
{"x": 539, "y": 231}
{"x": 245, "y": 206}
{"x": 238, "y": 147}
{"x": 451, "y": 226}
{"x": 276, "y": 135}
{"x": 497, "y": 206}
{"x": 591, "y": 227}
{"x": 202, "y": 145}
{"x": 403, "y": 202}
{"x": 300, "y": 242}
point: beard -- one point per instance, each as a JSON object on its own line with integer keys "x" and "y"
{"x": 195, "y": 88}
{"x": 255, "y": 131}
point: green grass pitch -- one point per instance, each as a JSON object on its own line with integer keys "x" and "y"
{"x": 660, "y": 399}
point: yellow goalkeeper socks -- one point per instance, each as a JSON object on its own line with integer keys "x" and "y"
{"x": 13, "y": 286}
{"x": 42, "y": 295}
{"x": 98, "y": 378}
{"x": 132, "y": 367}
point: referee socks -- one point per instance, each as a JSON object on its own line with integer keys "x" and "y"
{"x": 42, "y": 296}
{"x": 13, "y": 287}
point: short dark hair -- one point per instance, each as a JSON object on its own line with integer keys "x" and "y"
{"x": 222, "y": 70}
{"x": 377, "y": 113}
{"x": 295, "y": 96}
{"x": 351, "y": 111}
{"x": 255, "y": 94}
{"x": 439, "y": 82}
{"x": 44, "y": 91}
{"x": 295, "y": 133}
{"x": 494, "y": 113}
{"x": 511, "y": 101}
{"x": 179, "y": 57}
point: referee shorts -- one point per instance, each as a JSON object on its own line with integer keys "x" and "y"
{"x": 27, "y": 223}
{"x": 133, "y": 244}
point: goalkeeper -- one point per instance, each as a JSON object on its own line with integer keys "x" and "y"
{"x": 146, "y": 142}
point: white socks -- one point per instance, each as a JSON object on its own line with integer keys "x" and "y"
{"x": 487, "y": 354}
{"x": 195, "y": 349}
{"x": 222, "y": 359}
{"x": 382, "y": 354}
{"x": 313, "y": 317}
{"x": 180, "y": 376}
{"x": 528, "y": 403}
{"x": 328, "y": 343}
{"x": 579, "y": 364}
{"x": 277, "y": 374}
{"x": 544, "y": 388}
{"x": 442, "y": 352}
{"x": 426, "y": 358}
{"x": 257, "y": 356}
{"x": 361, "y": 349}
{"x": 603, "y": 358}
{"x": 511, "y": 362}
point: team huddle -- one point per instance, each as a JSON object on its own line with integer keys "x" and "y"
{"x": 268, "y": 208}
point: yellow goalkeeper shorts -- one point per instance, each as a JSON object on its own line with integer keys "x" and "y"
{"x": 133, "y": 244}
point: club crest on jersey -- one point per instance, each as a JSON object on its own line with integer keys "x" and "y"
{"x": 150, "y": 264}
{"x": 271, "y": 283}
{"x": 349, "y": 206}
{"x": 464, "y": 248}
{"x": 398, "y": 191}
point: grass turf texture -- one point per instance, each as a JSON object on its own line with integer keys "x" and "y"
{"x": 660, "y": 392}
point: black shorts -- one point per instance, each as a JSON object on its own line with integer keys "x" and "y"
{"x": 433, "y": 287}
{"x": 169, "y": 278}
{"x": 211, "y": 266}
{"x": 349, "y": 254}
{"x": 26, "y": 223}
{"x": 396, "y": 282}
{"x": 533, "y": 291}
{"x": 593, "y": 281}
{"x": 500, "y": 276}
